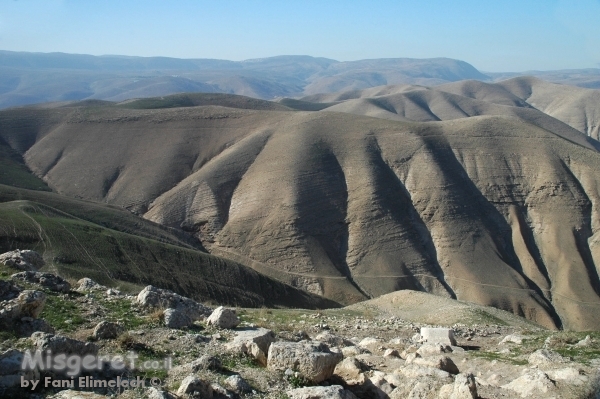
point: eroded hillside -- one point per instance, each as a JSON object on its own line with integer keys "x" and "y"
{"x": 498, "y": 209}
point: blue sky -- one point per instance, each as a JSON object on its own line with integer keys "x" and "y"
{"x": 492, "y": 35}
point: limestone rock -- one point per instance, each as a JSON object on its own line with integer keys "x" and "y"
{"x": 414, "y": 371}
{"x": 262, "y": 337}
{"x": 196, "y": 388}
{"x": 314, "y": 361}
{"x": 464, "y": 387}
{"x": 353, "y": 350}
{"x": 223, "y": 318}
{"x": 545, "y": 357}
{"x": 156, "y": 298}
{"x": 257, "y": 353}
{"x": 587, "y": 341}
{"x": 219, "y": 392}
{"x": 350, "y": 370}
{"x": 87, "y": 284}
{"x": 533, "y": 381}
{"x": 370, "y": 343}
{"x": 571, "y": 375}
{"x": 432, "y": 349}
{"x": 437, "y": 362}
{"x": 377, "y": 386}
{"x": 23, "y": 259}
{"x": 423, "y": 388}
{"x": 206, "y": 362}
{"x": 28, "y": 304}
{"x": 31, "y": 303}
{"x": 107, "y": 330}
{"x": 391, "y": 353}
{"x": 11, "y": 370}
{"x": 237, "y": 384}
{"x": 515, "y": 339}
{"x": 330, "y": 392}
{"x": 438, "y": 335}
{"x": 47, "y": 280}
{"x": 175, "y": 318}
{"x": 113, "y": 292}
{"x": 332, "y": 339}
{"x": 59, "y": 344}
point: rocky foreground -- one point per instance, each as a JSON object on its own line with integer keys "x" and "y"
{"x": 184, "y": 349}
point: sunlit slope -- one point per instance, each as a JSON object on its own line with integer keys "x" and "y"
{"x": 486, "y": 209}
{"x": 578, "y": 107}
{"x": 567, "y": 114}
{"x": 137, "y": 255}
{"x": 498, "y": 210}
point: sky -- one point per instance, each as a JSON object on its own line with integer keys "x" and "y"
{"x": 492, "y": 35}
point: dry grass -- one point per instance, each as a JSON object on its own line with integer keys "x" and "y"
{"x": 157, "y": 316}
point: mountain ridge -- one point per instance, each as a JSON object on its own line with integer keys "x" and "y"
{"x": 345, "y": 205}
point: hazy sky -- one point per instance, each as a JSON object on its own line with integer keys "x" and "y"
{"x": 493, "y": 35}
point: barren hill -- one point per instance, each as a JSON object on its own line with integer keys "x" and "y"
{"x": 528, "y": 98}
{"x": 495, "y": 209}
{"x": 578, "y": 107}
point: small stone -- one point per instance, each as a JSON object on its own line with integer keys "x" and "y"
{"x": 177, "y": 319}
{"x": 207, "y": 362}
{"x": 237, "y": 384}
{"x": 107, "y": 330}
{"x": 391, "y": 353}
{"x": 587, "y": 341}
{"x": 330, "y": 392}
{"x": 515, "y": 339}
{"x": 192, "y": 385}
{"x": 87, "y": 284}
{"x": 223, "y": 318}
{"x": 438, "y": 335}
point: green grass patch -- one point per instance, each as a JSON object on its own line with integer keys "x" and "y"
{"x": 274, "y": 319}
{"x": 234, "y": 361}
{"x": 480, "y": 316}
{"x": 14, "y": 172}
{"x": 62, "y": 313}
{"x": 123, "y": 312}
{"x": 507, "y": 358}
{"x": 117, "y": 249}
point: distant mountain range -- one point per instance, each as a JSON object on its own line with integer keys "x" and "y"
{"x": 29, "y": 78}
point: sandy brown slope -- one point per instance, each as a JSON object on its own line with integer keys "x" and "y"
{"x": 578, "y": 107}
{"x": 488, "y": 209}
{"x": 425, "y": 105}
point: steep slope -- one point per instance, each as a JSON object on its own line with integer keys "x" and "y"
{"x": 575, "y": 106}
{"x": 498, "y": 210}
{"x": 441, "y": 208}
{"x": 82, "y": 239}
